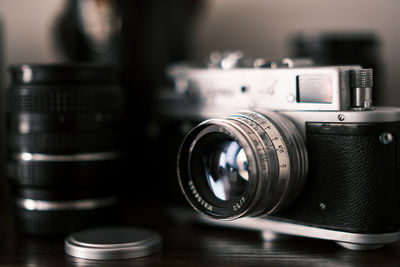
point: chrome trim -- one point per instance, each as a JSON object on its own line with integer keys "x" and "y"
{"x": 98, "y": 156}
{"x": 378, "y": 115}
{"x": 81, "y": 204}
{"x": 348, "y": 240}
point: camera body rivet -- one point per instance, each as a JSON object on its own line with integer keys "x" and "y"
{"x": 291, "y": 98}
{"x": 386, "y": 138}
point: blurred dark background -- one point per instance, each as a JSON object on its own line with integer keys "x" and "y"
{"x": 259, "y": 28}
{"x": 146, "y": 36}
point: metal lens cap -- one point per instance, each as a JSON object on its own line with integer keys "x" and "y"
{"x": 112, "y": 243}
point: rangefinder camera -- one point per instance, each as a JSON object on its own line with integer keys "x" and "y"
{"x": 288, "y": 148}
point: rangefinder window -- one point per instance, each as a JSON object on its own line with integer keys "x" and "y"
{"x": 314, "y": 88}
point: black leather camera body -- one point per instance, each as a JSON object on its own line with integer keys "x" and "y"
{"x": 353, "y": 178}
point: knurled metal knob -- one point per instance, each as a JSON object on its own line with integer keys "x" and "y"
{"x": 361, "y": 82}
{"x": 362, "y": 78}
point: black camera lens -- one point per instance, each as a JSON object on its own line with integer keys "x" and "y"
{"x": 247, "y": 164}
{"x": 64, "y": 142}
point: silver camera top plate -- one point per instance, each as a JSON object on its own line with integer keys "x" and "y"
{"x": 307, "y": 88}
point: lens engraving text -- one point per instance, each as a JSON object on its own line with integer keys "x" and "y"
{"x": 199, "y": 199}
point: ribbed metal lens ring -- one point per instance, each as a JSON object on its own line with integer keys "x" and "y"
{"x": 277, "y": 164}
{"x": 65, "y": 98}
{"x": 65, "y": 140}
{"x": 290, "y": 151}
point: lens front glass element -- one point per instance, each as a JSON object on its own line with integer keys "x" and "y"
{"x": 226, "y": 170}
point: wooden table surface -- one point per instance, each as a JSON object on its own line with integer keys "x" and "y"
{"x": 191, "y": 244}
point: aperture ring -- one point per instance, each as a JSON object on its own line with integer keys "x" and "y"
{"x": 77, "y": 173}
{"x": 69, "y": 142}
{"x": 26, "y": 123}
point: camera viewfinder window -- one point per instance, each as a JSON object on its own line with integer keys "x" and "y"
{"x": 314, "y": 89}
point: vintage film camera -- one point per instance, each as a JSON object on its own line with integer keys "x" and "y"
{"x": 304, "y": 152}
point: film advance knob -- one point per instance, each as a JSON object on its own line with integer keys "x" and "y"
{"x": 361, "y": 83}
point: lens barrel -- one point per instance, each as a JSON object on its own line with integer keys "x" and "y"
{"x": 64, "y": 142}
{"x": 247, "y": 164}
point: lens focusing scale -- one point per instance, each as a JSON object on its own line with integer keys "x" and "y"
{"x": 247, "y": 164}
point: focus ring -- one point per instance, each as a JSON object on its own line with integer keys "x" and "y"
{"x": 64, "y": 99}
{"x": 270, "y": 141}
{"x": 61, "y": 222}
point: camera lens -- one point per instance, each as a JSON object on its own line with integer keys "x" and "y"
{"x": 226, "y": 170}
{"x": 247, "y": 164}
{"x": 64, "y": 131}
